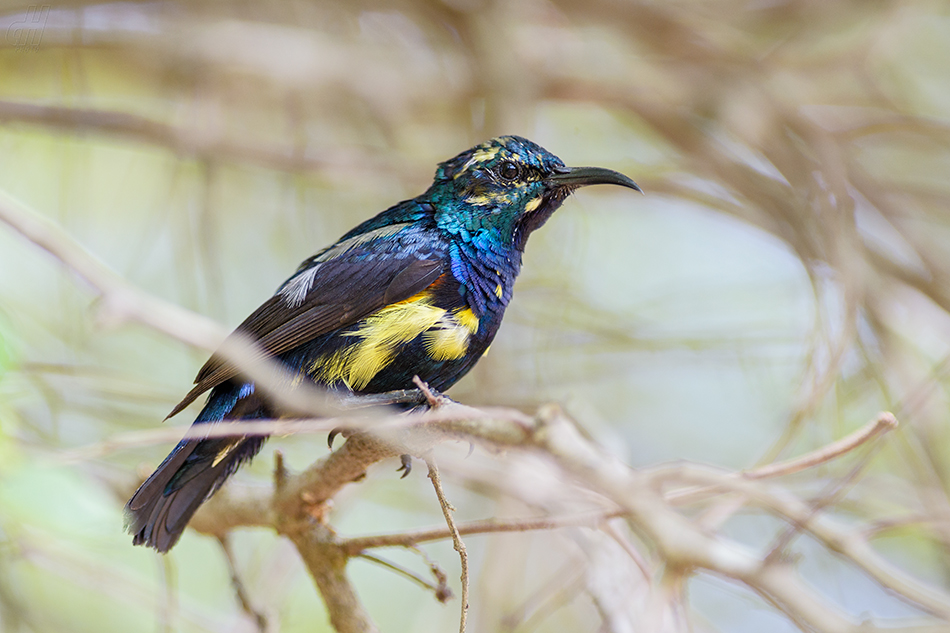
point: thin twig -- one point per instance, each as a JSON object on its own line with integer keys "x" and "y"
{"x": 611, "y": 530}
{"x": 444, "y": 592}
{"x": 447, "y": 511}
{"x": 358, "y": 544}
{"x": 433, "y": 398}
{"x": 832, "y": 494}
{"x": 877, "y": 527}
{"x": 850, "y": 544}
{"x": 556, "y": 593}
{"x": 122, "y": 302}
{"x": 280, "y": 472}
{"x": 676, "y": 537}
{"x": 168, "y": 609}
{"x": 884, "y": 423}
{"x": 182, "y": 140}
{"x": 438, "y": 590}
{"x": 239, "y": 590}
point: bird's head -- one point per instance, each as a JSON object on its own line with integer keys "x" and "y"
{"x": 508, "y": 186}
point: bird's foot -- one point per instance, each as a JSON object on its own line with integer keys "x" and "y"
{"x": 406, "y": 465}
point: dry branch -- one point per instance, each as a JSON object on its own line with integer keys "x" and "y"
{"x": 184, "y": 141}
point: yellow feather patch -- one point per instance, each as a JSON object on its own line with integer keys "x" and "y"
{"x": 480, "y": 156}
{"x": 466, "y": 317}
{"x": 491, "y": 197}
{"x": 446, "y": 343}
{"x": 445, "y": 336}
{"x": 499, "y": 291}
{"x": 448, "y": 340}
{"x": 533, "y": 204}
{"x": 381, "y": 333}
{"x": 224, "y": 452}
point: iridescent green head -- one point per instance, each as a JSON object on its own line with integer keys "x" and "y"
{"x": 509, "y": 187}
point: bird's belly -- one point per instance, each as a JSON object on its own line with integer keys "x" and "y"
{"x": 383, "y": 351}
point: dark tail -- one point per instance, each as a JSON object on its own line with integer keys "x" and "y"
{"x": 158, "y": 512}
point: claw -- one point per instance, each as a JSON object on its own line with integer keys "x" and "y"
{"x": 332, "y": 436}
{"x": 471, "y": 449}
{"x": 406, "y": 465}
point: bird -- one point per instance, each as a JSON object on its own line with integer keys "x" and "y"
{"x": 418, "y": 290}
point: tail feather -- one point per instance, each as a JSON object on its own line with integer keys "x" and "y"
{"x": 160, "y": 509}
{"x": 144, "y": 513}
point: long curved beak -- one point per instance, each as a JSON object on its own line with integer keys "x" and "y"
{"x": 583, "y": 176}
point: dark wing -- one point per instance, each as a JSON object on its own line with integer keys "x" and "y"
{"x": 337, "y": 288}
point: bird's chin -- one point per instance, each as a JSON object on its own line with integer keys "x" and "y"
{"x": 532, "y": 220}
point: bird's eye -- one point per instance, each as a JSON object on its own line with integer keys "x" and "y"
{"x": 509, "y": 170}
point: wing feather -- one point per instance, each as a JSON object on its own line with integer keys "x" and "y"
{"x": 356, "y": 282}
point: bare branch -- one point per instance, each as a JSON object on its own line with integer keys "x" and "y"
{"x": 121, "y": 302}
{"x": 326, "y": 562}
{"x": 447, "y": 511}
{"x": 441, "y": 590}
{"x": 680, "y": 542}
{"x": 356, "y": 545}
{"x": 884, "y": 423}
{"x": 181, "y": 140}
{"x": 849, "y": 543}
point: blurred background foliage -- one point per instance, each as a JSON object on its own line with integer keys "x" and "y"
{"x": 785, "y": 277}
